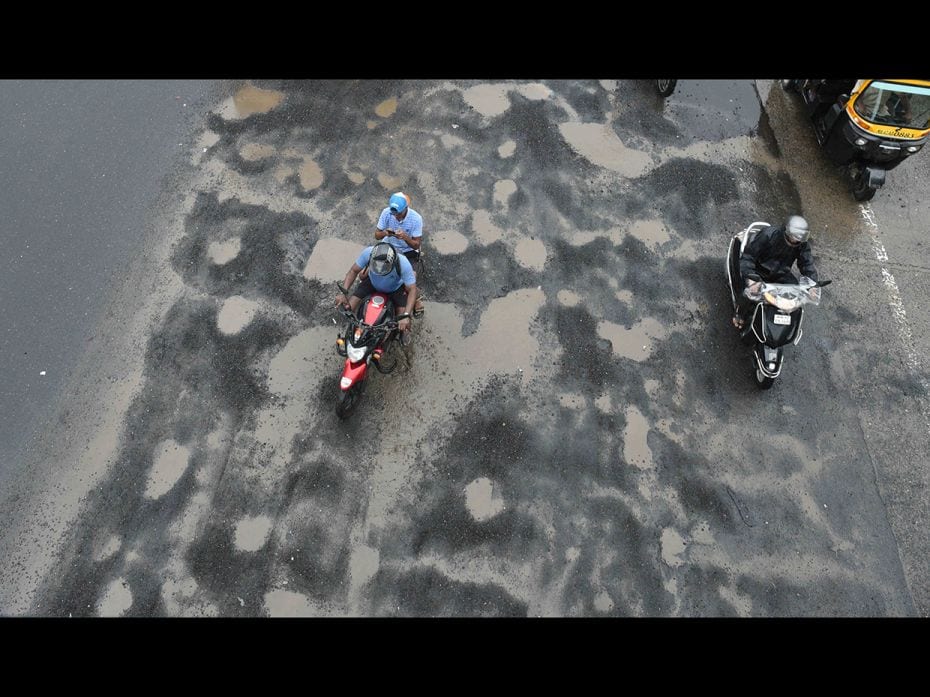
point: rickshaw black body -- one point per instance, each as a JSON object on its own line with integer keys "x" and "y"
{"x": 866, "y": 155}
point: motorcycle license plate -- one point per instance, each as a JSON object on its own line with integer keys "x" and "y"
{"x": 782, "y": 319}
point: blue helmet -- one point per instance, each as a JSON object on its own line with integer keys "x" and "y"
{"x": 398, "y": 203}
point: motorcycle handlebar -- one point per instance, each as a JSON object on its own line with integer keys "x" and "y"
{"x": 389, "y": 324}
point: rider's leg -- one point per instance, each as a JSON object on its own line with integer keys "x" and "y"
{"x": 744, "y": 307}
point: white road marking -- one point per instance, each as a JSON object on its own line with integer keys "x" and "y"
{"x": 897, "y": 305}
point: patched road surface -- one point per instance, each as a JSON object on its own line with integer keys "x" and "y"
{"x": 575, "y": 430}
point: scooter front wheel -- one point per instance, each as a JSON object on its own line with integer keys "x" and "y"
{"x": 348, "y": 400}
{"x": 763, "y": 381}
{"x": 665, "y": 87}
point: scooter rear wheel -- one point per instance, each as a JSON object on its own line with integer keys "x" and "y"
{"x": 348, "y": 400}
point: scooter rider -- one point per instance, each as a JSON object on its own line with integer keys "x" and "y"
{"x": 389, "y": 272}
{"x": 769, "y": 258}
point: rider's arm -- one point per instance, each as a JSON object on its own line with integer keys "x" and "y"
{"x": 806, "y": 262}
{"x": 383, "y": 221}
{"x": 350, "y": 276}
{"x": 413, "y": 237}
{"x": 408, "y": 308}
{"x": 410, "y": 283}
{"x": 747, "y": 260}
{"x": 347, "y": 283}
{"x": 414, "y": 242}
{"x": 411, "y": 297}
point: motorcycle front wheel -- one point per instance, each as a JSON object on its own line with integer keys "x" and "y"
{"x": 348, "y": 400}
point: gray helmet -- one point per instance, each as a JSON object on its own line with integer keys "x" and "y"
{"x": 797, "y": 230}
{"x": 382, "y": 260}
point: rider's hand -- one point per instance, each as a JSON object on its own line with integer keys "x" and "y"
{"x": 401, "y": 235}
{"x": 814, "y": 293}
{"x": 754, "y": 287}
{"x": 341, "y": 300}
{"x": 404, "y": 324}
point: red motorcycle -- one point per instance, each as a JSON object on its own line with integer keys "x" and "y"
{"x": 369, "y": 335}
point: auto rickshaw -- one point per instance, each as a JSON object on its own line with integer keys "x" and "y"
{"x": 870, "y": 126}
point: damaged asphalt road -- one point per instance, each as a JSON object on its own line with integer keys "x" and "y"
{"x": 574, "y": 431}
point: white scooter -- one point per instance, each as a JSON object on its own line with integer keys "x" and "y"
{"x": 776, "y": 318}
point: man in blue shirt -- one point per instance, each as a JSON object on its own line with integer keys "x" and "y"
{"x": 402, "y": 227}
{"x": 388, "y": 272}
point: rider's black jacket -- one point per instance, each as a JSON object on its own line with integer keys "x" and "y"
{"x": 769, "y": 258}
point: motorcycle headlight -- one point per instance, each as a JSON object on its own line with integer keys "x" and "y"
{"x": 356, "y": 353}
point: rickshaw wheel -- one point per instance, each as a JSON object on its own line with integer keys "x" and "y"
{"x": 862, "y": 191}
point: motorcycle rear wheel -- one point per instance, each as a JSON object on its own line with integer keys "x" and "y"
{"x": 348, "y": 400}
